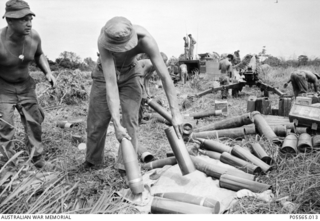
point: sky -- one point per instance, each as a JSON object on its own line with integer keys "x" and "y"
{"x": 288, "y": 28}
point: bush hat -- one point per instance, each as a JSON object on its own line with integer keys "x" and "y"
{"x": 17, "y": 9}
{"x": 118, "y": 35}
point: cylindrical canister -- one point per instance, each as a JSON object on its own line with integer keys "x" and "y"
{"x": 264, "y": 129}
{"x": 289, "y": 145}
{"x": 216, "y": 171}
{"x": 261, "y": 153}
{"x": 188, "y": 198}
{"x": 168, "y": 206}
{"x": 159, "y": 109}
{"x": 130, "y": 160}
{"x": 158, "y": 118}
{"x": 236, "y": 183}
{"x": 231, "y": 133}
{"x": 305, "y": 143}
{"x": 299, "y": 130}
{"x": 180, "y": 151}
{"x": 233, "y": 122}
{"x": 239, "y": 163}
{"x": 237, "y": 150}
{"x": 211, "y": 154}
{"x": 214, "y": 145}
{"x": 145, "y": 155}
{"x": 160, "y": 163}
{"x": 279, "y": 130}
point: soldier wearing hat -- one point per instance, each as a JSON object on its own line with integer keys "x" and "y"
{"x": 19, "y": 46}
{"x": 116, "y": 83}
{"x": 300, "y": 79}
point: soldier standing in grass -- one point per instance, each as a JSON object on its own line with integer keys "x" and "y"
{"x": 225, "y": 67}
{"x": 300, "y": 79}
{"x": 19, "y": 46}
{"x": 116, "y": 82}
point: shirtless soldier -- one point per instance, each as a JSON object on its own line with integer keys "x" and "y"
{"x": 19, "y": 46}
{"x": 116, "y": 81}
{"x": 225, "y": 66}
{"x": 300, "y": 79}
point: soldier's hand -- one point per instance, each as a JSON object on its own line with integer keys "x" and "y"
{"x": 51, "y": 79}
{"x": 121, "y": 133}
{"x": 177, "y": 123}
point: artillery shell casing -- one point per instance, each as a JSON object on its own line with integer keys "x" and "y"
{"x": 237, "y": 150}
{"x": 64, "y": 124}
{"x": 216, "y": 171}
{"x": 160, "y": 119}
{"x": 168, "y": 206}
{"x": 214, "y": 146}
{"x": 305, "y": 143}
{"x": 261, "y": 153}
{"x": 289, "y": 145}
{"x": 145, "y": 156}
{"x": 180, "y": 151}
{"x": 231, "y": 133}
{"x": 211, "y": 154}
{"x": 188, "y": 198}
{"x": 159, "y": 109}
{"x": 130, "y": 160}
{"x": 160, "y": 163}
{"x": 251, "y": 104}
{"x": 205, "y": 114}
{"x": 300, "y": 130}
{"x": 236, "y": 183}
{"x": 264, "y": 128}
{"x": 228, "y": 123}
{"x": 239, "y": 163}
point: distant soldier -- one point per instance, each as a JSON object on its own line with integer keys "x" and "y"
{"x": 183, "y": 72}
{"x": 300, "y": 79}
{"x": 19, "y": 46}
{"x": 186, "y": 48}
{"x": 225, "y": 67}
{"x": 191, "y": 48}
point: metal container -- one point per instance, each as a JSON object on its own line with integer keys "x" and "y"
{"x": 305, "y": 143}
{"x": 279, "y": 130}
{"x": 264, "y": 128}
{"x": 159, "y": 109}
{"x": 316, "y": 142}
{"x": 130, "y": 161}
{"x": 167, "y": 206}
{"x": 216, "y": 171}
{"x": 211, "y": 154}
{"x": 285, "y": 106}
{"x": 289, "y": 145}
{"x": 214, "y": 145}
{"x": 261, "y": 153}
{"x": 159, "y": 118}
{"x": 192, "y": 199}
{"x": 302, "y": 115}
{"x": 236, "y": 183}
{"x": 239, "y": 163}
{"x": 251, "y": 104}
{"x": 180, "y": 151}
{"x": 233, "y": 122}
{"x": 160, "y": 163}
{"x": 231, "y": 133}
{"x": 239, "y": 151}
{"x": 303, "y": 100}
{"x": 263, "y": 105}
{"x": 145, "y": 155}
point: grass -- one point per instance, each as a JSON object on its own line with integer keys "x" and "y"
{"x": 54, "y": 190}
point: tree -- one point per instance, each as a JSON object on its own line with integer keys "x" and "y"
{"x": 89, "y": 63}
{"x": 303, "y": 60}
{"x": 173, "y": 61}
{"x": 69, "y": 60}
